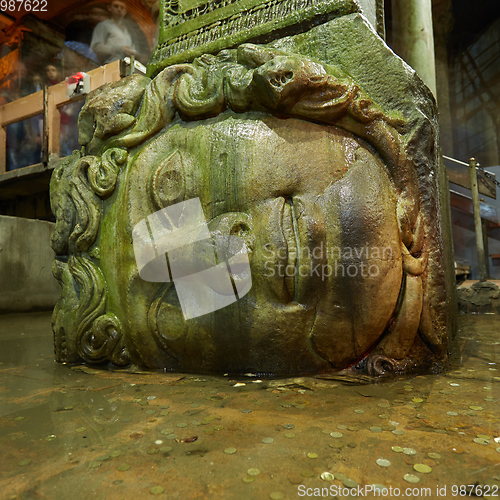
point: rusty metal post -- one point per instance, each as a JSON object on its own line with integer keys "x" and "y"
{"x": 483, "y": 275}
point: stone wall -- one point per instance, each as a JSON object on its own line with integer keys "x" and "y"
{"x": 26, "y": 281}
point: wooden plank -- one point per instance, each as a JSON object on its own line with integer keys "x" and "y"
{"x": 3, "y": 150}
{"x": 96, "y": 77}
{"x": 22, "y": 109}
{"x": 105, "y": 74}
{"x": 464, "y": 203}
{"x": 55, "y": 95}
{"x": 112, "y": 72}
{"x": 45, "y": 132}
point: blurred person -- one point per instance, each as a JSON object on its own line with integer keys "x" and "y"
{"x": 112, "y": 40}
{"x": 52, "y": 74}
{"x": 23, "y": 143}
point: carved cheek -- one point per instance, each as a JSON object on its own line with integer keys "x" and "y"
{"x": 366, "y": 264}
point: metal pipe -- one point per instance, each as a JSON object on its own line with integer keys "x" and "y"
{"x": 483, "y": 275}
{"x": 456, "y": 161}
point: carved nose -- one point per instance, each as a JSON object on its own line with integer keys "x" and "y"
{"x": 225, "y": 227}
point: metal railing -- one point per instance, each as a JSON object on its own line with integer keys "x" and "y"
{"x": 474, "y": 168}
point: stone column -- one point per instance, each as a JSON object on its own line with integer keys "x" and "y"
{"x": 373, "y": 10}
{"x": 414, "y": 39}
{"x": 443, "y": 24}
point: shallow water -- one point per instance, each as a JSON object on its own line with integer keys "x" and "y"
{"x": 80, "y": 432}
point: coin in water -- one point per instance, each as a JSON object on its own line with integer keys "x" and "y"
{"x": 327, "y": 476}
{"x": 410, "y": 478}
{"x": 481, "y": 441}
{"x": 307, "y": 473}
{"x": 424, "y": 469}
{"x": 157, "y": 490}
{"x": 383, "y": 462}
{"x": 409, "y": 451}
{"x": 253, "y": 472}
{"x": 230, "y": 451}
{"x": 268, "y": 440}
{"x": 336, "y": 445}
{"x": 349, "y": 483}
{"x": 277, "y": 495}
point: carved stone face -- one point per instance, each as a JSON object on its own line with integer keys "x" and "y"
{"x": 317, "y": 210}
{"x": 334, "y": 193}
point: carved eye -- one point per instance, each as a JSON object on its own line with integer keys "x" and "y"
{"x": 166, "y": 185}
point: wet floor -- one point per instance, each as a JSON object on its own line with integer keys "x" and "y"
{"x": 80, "y": 433}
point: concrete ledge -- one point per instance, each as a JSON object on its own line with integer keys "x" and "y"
{"x": 475, "y": 297}
{"x": 26, "y": 281}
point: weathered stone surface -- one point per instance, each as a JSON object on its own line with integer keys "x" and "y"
{"x": 479, "y": 297}
{"x": 189, "y": 29}
{"x": 26, "y": 260}
{"x": 315, "y": 163}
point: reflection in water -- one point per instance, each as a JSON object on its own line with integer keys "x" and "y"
{"x": 85, "y": 431}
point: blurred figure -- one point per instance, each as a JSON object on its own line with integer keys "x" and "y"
{"x": 111, "y": 39}
{"x": 37, "y": 82}
{"x": 52, "y": 74}
{"x": 22, "y": 138}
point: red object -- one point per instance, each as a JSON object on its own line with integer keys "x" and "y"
{"x": 75, "y": 78}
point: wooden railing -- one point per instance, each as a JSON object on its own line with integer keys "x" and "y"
{"x": 48, "y": 103}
